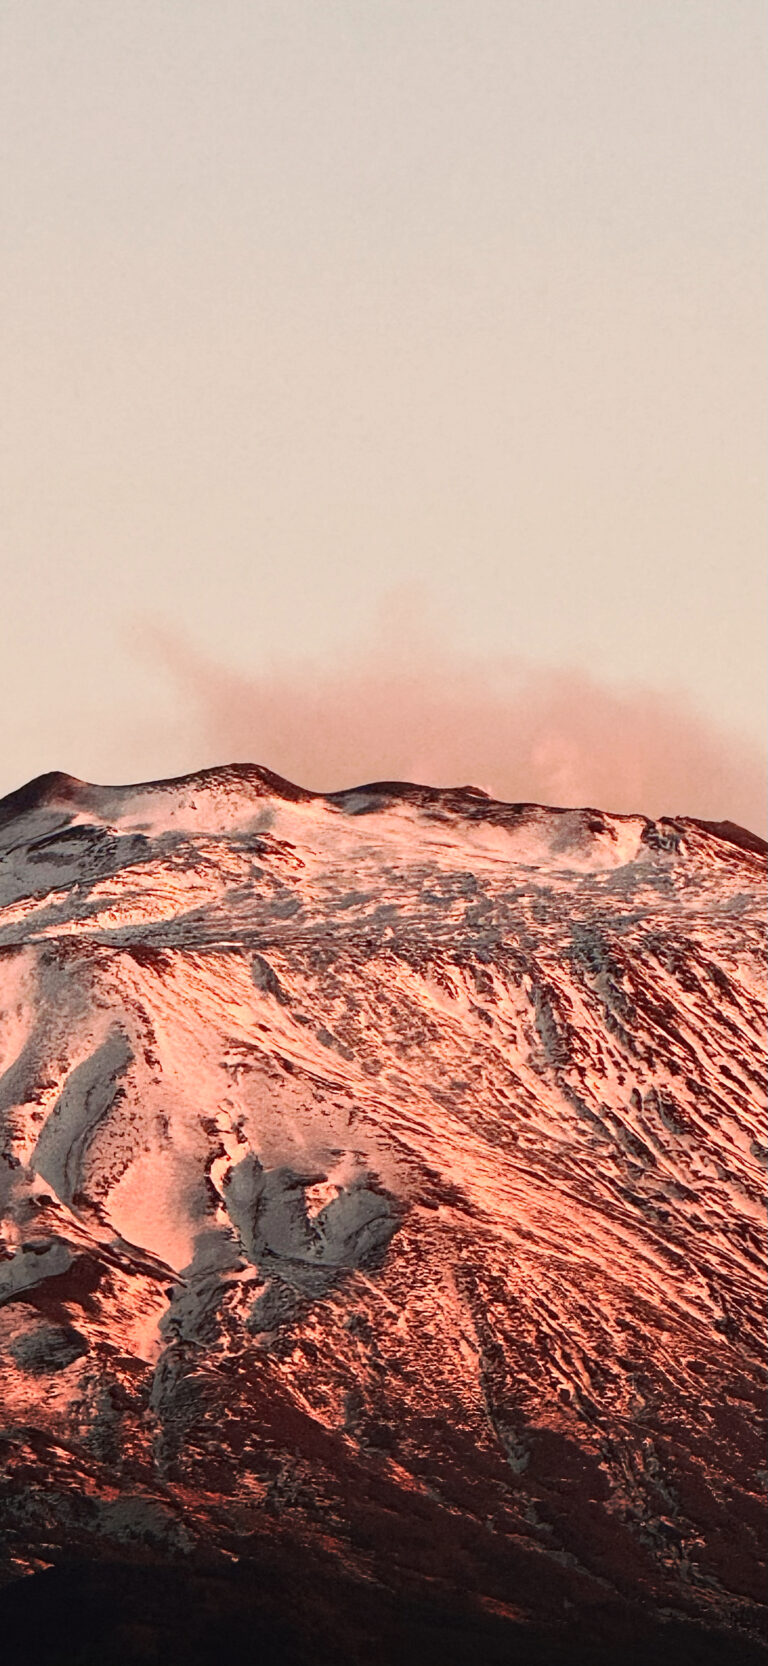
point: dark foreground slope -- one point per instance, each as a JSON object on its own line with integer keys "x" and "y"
{"x": 382, "y": 1193}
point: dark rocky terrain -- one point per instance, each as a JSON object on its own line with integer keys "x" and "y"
{"x": 383, "y": 1198}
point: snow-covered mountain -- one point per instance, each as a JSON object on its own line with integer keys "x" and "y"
{"x": 382, "y": 1195}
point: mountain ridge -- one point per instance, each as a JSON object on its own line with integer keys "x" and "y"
{"x": 381, "y": 1191}
{"x": 55, "y": 787}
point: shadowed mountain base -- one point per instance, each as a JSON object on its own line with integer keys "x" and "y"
{"x": 277, "y": 1614}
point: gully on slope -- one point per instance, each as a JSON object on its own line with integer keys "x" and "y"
{"x": 382, "y": 1196}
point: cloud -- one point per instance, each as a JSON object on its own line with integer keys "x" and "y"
{"x": 400, "y": 707}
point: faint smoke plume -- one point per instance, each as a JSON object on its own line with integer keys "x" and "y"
{"x": 411, "y": 712}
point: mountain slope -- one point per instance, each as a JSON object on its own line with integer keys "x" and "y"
{"x": 383, "y": 1188}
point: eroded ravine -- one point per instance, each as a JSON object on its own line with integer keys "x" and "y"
{"x": 389, "y": 1155}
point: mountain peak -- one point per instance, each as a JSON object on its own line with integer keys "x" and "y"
{"x": 385, "y": 1156}
{"x": 217, "y": 792}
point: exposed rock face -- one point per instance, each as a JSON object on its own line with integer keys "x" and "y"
{"x": 382, "y": 1192}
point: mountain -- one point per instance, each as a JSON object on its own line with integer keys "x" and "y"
{"x": 382, "y": 1196}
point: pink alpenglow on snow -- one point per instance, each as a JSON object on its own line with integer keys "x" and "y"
{"x": 382, "y": 1203}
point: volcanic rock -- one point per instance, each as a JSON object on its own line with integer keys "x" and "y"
{"x": 382, "y": 1197}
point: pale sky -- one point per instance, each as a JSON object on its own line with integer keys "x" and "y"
{"x": 326, "y": 322}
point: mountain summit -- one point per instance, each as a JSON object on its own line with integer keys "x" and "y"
{"x": 382, "y": 1197}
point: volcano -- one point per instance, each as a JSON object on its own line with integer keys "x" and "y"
{"x": 382, "y": 1198}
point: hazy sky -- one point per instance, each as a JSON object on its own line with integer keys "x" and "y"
{"x": 330, "y": 325}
